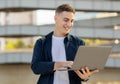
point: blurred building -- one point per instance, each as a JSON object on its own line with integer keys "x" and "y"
{"x": 18, "y": 20}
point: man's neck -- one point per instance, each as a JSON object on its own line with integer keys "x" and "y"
{"x": 57, "y": 34}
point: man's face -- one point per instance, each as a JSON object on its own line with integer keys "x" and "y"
{"x": 64, "y": 22}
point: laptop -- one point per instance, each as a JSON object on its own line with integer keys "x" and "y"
{"x": 93, "y": 57}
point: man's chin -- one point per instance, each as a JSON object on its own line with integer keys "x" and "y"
{"x": 66, "y": 32}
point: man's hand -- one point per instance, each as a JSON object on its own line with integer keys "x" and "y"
{"x": 85, "y": 73}
{"x": 66, "y": 64}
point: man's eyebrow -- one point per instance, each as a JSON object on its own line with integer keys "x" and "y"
{"x": 68, "y": 19}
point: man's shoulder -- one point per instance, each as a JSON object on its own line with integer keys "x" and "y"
{"x": 77, "y": 39}
{"x": 40, "y": 40}
{"x": 74, "y": 37}
{"x": 47, "y": 36}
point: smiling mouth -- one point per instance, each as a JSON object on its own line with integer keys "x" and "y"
{"x": 66, "y": 28}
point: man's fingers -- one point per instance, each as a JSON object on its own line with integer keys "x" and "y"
{"x": 95, "y": 71}
{"x": 67, "y": 64}
{"x": 78, "y": 72}
{"x": 83, "y": 71}
{"x": 87, "y": 70}
{"x": 82, "y": 74}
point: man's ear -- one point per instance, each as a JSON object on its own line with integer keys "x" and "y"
{"x": 55, "y": 18}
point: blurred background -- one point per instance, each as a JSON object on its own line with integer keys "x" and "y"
{"x": 97, "y": 22}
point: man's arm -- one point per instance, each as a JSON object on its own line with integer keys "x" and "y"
{"x": 59, "y": 65}
{"x": 39, "y": 65}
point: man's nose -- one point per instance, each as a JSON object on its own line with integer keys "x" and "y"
{"x": 69, "y": 24}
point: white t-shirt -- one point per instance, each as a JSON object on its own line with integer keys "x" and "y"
{"x": 58, "y": 54}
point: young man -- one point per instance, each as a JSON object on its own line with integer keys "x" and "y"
{"x": 57, "y": 51}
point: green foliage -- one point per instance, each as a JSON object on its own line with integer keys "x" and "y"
{"x": 95, "y": 41}
{"x": 19, "y": 44}
{"x": 30, "y": 45}
{"x": 9, "y": 45}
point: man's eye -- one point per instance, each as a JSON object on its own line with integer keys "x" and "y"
{"x": 65, "y": 20}
{"x": 72, "y": 20}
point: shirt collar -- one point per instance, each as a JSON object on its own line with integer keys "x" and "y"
{"x": 49, "y": 36}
